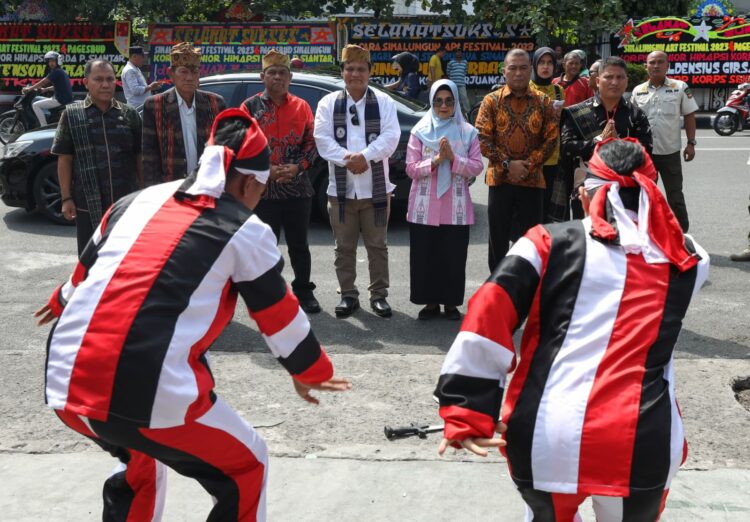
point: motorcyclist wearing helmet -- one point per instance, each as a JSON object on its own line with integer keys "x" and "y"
{"x": 407, "y": 65}
{"x": 58, "y": 81}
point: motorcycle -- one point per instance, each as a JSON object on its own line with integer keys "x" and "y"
{"x": 735, "y": 115}
{"x": 21, "y": 118}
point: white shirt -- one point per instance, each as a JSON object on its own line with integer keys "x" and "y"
{"x": 134, "y": 85}
{"x": 189, "y": 132}
{"x": 358, "y": 186}
{"x": 663, "y": 107}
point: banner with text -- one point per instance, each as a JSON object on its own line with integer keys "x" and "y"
{"x": 238, "y": 47}
{"x": 484, "y": 46}
{"x": 709, "y": 51}
{"x": 22, "y": 48}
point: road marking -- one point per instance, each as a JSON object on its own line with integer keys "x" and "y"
{"x": 721, "y": 148}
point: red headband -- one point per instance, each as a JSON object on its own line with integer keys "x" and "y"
{"x": 253, "y": 143}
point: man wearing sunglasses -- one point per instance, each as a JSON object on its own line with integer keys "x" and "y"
{"x": 357, "y": 131}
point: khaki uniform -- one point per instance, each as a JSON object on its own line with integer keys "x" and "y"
{"x": 663, "y": 106}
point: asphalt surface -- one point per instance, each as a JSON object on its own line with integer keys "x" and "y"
{"x": 333, "y": 459}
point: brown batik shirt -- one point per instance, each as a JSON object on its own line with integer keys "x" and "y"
{"x": 517, "y": 128}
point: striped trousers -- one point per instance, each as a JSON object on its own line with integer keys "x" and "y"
{"x": 219, "y": 450}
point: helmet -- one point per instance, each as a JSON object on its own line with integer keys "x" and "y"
{"x": 297, "y": 63}
{"x": 52, "y": 55}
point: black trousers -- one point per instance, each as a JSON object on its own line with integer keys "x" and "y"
{"x": 293, "y": 217}
{"x": 84, "y": 229}
{"x": 437, "y": 263}
{"x": 670, "y": 170}
{"x": 503, "y": 202}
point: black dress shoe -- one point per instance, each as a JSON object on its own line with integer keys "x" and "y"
{"x": 428, "y": 312}
{"x": 308, "y": 303}
{"x": 452, "y": 313}
{"x": 347, "y": 306}
{"x": 381, "y": 307}
{"x": 742, "y": 256}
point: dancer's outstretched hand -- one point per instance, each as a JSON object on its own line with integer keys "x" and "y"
{"x": 334, "y": 384}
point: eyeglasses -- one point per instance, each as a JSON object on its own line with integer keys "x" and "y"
{"x": 355, "y": 116}
{"x": 448, "y": 102}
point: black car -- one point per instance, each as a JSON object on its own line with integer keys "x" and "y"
{"x": 28, "y": 172}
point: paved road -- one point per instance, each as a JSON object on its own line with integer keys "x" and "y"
{"x": 394, "y": 364}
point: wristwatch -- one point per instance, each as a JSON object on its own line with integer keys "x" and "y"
{"x": 506, "y": 165}
{"x": 692, "y": 142}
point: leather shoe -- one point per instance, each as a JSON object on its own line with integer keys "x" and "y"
{"x": 427, "y": 313}
{"x": 308, "y": 303}
{"x": 452, "y": 313}
{"x": 742, "y": 256}
{"x": 381, "y": 307}
{"x": 347, "y": 306}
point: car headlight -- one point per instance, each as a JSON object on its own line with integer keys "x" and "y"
{"x": 15, "y": 148}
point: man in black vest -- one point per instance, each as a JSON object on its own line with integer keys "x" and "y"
{"x": 98, "y": 148}
{"x": 356, "y": 131}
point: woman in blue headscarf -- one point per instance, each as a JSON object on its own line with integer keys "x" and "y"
{"x": 442, "y": 156}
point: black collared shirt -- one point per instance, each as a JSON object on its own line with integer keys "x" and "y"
{"x": 115, "y": 136}
{"x": 629, "y": 121}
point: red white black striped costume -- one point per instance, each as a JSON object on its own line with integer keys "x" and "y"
{"x": 591, "y": 408}
{"x": 127, "y": 363}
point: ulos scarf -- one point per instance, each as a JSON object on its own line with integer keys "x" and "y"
{"x": 658, "y": 235}
{"x": 431, "y": 129}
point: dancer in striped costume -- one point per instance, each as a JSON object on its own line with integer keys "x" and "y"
{"x": 154, "y": 288}
{"x": 591, "y": 408}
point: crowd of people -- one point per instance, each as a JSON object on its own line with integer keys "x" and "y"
{"x": 603, "y": 295}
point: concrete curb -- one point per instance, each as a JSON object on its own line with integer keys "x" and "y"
{"x": 67, "y": 487}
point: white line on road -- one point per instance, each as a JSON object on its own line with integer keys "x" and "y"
{"x": 720, "y": 148}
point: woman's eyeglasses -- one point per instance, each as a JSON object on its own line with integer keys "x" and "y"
{"x": 448, "y": 102}
{"x": 355, "y": 116}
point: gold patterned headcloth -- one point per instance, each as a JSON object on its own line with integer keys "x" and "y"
{"x": 184, "y": 54}
{"x": 354, "y": 53}
{"x": 274, "y": 58}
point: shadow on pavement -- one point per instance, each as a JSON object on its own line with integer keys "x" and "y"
{"x": 363, "y": 332}
{"x": 710, "y": 347}
{"x": 20, "y": 220}
{"x": 725, "y": 262}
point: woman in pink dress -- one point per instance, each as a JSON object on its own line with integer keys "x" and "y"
{"x": 442, "y": 156}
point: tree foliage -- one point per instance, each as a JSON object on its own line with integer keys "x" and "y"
{"x": 568, "y": 21}
{"x": 571, "y": 21}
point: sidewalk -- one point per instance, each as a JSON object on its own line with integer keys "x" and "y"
{"x": 67, "y": 487}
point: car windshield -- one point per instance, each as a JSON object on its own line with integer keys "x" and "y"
{"x": 412, "y": 104}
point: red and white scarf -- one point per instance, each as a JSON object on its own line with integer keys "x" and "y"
{"x": 657, "y": 234}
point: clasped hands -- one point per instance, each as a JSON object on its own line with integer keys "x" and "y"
{"x": 445, "y": 152}
{"x": 476, "y": 445}
{"x": 356, "y": 163}
{"x": 284, "y": 173}
{"x": 609, "y": 131}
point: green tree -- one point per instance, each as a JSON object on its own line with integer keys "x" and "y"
{"x": 571, "y": 21}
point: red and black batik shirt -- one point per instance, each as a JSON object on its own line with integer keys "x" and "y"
{"x": 289, "y": 130}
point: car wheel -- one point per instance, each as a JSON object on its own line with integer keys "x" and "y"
{"x": 10, "y": 127}
{"x": 47, "y": 194}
